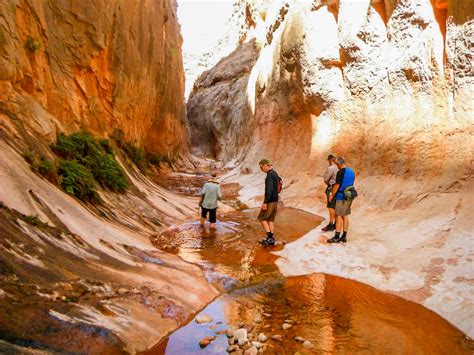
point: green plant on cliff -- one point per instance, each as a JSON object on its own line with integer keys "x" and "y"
{"x": 47, "y": 168}
{"x": 77, "y": 180}
{"x": 136, "y": 154}
{"x": 96, "y": 156}
{"x": 34, "y": 221}
{"x": 33, "y": 44}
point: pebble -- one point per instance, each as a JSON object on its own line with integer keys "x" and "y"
{"x": 231, "y": 341}
{"x": 262, "y": 338}
{"x": 307, "y": 344}
{"x": 257, "y": 318}
{"x": 205, "y": 341}
{"x": 268, "y": 315}
{"x": 220, "y": 332}
{"x": 232, "y": 348}
{"x": 241, "y": 334}
{"x": 277, "y": 337}
{"x": 286, "y": 326}
{"x": 251, "y": 351}
{"x": 290, "y": 321}
{"x": 242, "y": 342}
{"x": 203, "y": 319}
{"x": 213, "y": 327}
{"x": 122, "y": 290}
{"x": 257, "y": 344}
{"x": 230, "y": 333}
{"x": 300, "y": 339}
{"x": 266, "y": 326}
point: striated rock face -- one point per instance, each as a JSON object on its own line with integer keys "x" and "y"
{"x": 386, "y": 84}
{"x": 94, "y": 66}
{"x": 80, "y": 277}
{"x": 386, "y": 76}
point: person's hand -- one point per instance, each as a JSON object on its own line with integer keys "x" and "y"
{"x": 264, "y": 206}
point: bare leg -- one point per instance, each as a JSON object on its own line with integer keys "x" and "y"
{"x": 332, "y": 215}
{"x": 272, "y": 226}
{"x": 213, "y": 226}
{"x": 202, "y": 221}
{"x": 339, "y": 223}
{"x": 265, "y": 226}
{"x": 346, "y": 223}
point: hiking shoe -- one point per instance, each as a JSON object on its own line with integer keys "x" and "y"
{"x": 268, "y": 242}
{"x": 329, "y": 227}
{"x": 334, "y": 240}
{"x": 343, "y": 239}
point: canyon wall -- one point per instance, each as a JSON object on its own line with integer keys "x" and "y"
{"x": 95, "y": 66}
{"x": 389, "y": 86}
{"x": 84, "y": 277}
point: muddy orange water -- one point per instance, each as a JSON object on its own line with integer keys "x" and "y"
{"x": 333, "y": 314}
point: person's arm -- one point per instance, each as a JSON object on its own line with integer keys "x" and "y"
{"x": 327, "y": 176}
{"x": 219, "y": 193}
{"x": 268, "y": 191}
{"x": 335, "y": 188}
{"x": 203, "y": 194}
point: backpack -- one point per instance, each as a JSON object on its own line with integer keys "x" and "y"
{"x": 350, "y": 193}
{"x": 280, "y": 184}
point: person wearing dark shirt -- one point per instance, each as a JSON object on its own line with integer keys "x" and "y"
{"x": 269, "y": 208}
{"x": 344, "y": 178}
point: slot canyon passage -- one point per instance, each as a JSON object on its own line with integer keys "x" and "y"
{"x": 114, "y": 114}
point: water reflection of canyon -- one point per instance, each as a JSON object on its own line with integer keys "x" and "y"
{"x": 336, "y": 315}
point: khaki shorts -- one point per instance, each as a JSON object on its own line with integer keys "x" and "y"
{"x": 343, "y": 207}
{"x": 270, "y": 213}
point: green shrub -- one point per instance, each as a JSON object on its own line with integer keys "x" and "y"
{"x": 96, "y": 156}
{"x": 137, "y": 155}
{"x": 77, "y": 180}
{"x": 154, "y": 159}
{"x": 47, "y": 168}
{"x": 34, "y": 221}
{"x": 33, "y": 44}
{"x": 29, "y": 156}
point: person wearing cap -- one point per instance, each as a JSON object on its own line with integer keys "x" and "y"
{"x": 211, "y": 192}
{"x": 330, "y": 180}
{"x": 345, "y": 178}
{"x": 269, "y": 208}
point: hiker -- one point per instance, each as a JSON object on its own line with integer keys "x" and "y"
{"x": 344, "y": 181}
{"x": 211, "y": 192}
{"x": 269, "y": 208}
{"x": 330, "y": 180}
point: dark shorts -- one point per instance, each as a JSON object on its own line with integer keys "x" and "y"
{"x": 270, "y": 213}
{"x": 212, "y": 214}
{"x": 331, "y": 204}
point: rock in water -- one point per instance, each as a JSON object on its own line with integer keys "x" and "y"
{"x": 241, "y": 335}
{"x": 286, "y": 326}
{"x": 203, "y": 319}
{"x": 307, "y": 344}
{"x": 262, "y": 338}
{"x": 251, "y": 351}
{"x": 206, "y": 341}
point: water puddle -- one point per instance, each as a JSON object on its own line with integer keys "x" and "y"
{"x": 307, "y": 314}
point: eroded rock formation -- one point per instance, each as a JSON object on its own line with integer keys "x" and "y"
{"x": 387, "y": 84}
{"x": 84, "y": 277}
{"x": 94, "y": 66}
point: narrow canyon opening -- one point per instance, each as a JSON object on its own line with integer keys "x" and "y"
{"x": 115, "y": 115}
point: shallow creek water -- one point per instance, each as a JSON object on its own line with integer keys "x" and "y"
{"x": 335, "y": 315}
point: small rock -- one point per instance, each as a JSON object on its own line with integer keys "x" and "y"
{"x": 277, "y": 337}
{"x": 205, "y": 341}
{"x": 257, "y": 318}
{"x": 231, "y": 341}
{"x": 262, "y": 338}
{"x": 289, "y": 321}
{"x": 307, "y": 344}
{"x": 203, "y": 319}
{"x": 251, "y": 351}
{"x": 248, "y": 327}
{"x": 122, "y": 290}
{"x": 242, "y": 342}
{"x": 266, "y": 326}
{"x": 286, "y": 326}
{"x": 213, "y": 327}
{"x": 220, "y": 332}
{"x": 219, "y": 323}
{"x": 257, "y": 344}
{"x": 300, "y": 339}
{"x": 268, "y": 315}
{"x": 232, "y": 348}
{"x": 230, "y": 333}
{"x": 241, "y": 334}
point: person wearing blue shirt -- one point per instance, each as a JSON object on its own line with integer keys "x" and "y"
{"x": 344, "y": 178}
